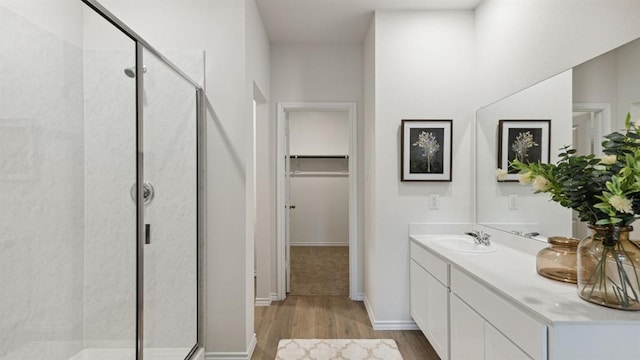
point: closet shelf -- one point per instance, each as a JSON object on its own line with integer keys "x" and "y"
{"x": 319, "y": 156}
{"x": 318, "y": 173}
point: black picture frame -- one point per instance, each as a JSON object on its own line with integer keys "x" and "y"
{"x": 528, "y": 140}
{"x": 426, "y": 150}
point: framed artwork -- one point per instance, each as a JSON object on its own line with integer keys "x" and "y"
{"x": 526, "y": 140}
{"x": 426, "y": 150}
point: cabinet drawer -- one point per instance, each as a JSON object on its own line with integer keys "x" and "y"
{"x": 524, "y": 331}
{"x": 436, "y": 267}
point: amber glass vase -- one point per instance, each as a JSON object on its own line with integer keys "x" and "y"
{"x": 609, "y": 268}
{"x": 558, "y": 261}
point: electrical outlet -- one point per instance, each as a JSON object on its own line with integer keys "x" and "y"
{"x": 513, "y": 201}
{"x": 435, "y": 202}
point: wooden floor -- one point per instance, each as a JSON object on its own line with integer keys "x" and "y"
{"x": 327, "y": 317}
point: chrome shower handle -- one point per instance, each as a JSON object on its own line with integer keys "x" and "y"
{"x": 148, "y": 192}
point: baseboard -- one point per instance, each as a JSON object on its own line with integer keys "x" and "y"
{"x": 234, "y": 355}
{"x": 262, "y": 302}
{"x": 199, "y": 355}
{"x": 266, "y": 301}
{"x": 359, "y": 297}
{"x": 320, "y": 244}
{"x": 388, "y": 324}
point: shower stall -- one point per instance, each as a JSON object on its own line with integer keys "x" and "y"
{"x": 100, "y": 192}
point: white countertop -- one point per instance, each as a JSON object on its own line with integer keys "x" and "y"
{"x": 512, "y": 274}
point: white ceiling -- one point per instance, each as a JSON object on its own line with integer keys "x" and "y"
{"x": 336, "y": 21}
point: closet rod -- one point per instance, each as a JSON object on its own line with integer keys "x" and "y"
{"x": 319, "y": 156}
{"x": 318, "y": 173}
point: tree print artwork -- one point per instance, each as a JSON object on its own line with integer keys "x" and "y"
{"x": 524, "y": 141}
{"x": 426, "y": 150}
{"x": 429, "y": 145}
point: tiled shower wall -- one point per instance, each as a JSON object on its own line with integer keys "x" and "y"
{"x": 41, "y": 192}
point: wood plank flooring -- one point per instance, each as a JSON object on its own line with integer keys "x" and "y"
{"x": 327, "y": 317}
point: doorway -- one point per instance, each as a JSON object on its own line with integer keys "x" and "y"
{"x": 317, "y": 199}
{"x": 589, "y": 124}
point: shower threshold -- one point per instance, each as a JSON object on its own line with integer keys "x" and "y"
{"x": 129, "y": 354}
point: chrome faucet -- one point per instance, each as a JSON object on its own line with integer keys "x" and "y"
{"x": 480, "y": 237}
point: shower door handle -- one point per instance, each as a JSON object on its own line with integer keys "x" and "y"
{"x": 147, "y": 234}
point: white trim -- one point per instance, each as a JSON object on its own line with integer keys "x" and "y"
{"x": 360, "y": 297}
{"x": 388, "y": 324}
{"x": 262, "y": 302}
{"x": 266, "y": 301}
{"x": 320, "y": 244}
{"x": 354, "y": 261}
{"x": 234, "y": 355}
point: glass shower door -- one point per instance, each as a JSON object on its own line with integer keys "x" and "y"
{"x": 171, "y": 211}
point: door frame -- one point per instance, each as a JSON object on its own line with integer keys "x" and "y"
{"x": 354, "y": 261}
{"x": 602, "y": 127}
{"x": 604, "y": 121}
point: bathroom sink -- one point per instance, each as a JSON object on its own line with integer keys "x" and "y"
{"x": 463, "y": 243}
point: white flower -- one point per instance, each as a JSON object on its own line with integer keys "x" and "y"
{"x": 621, "y": 204}
{"x": 540, "y": 183}
{"x": 501, "y": 174}
{"x": 608, "y": 160}
{"x": 525, "y": 178}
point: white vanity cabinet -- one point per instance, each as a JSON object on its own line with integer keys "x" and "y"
{"x": 467, "y": 331}
{"x": 494, "y": 306}
{"x": 430, "y": 298}
{"x": 473, "y": 338}
{"x": 457, "y": 331}
{"x": 477, "y": 329}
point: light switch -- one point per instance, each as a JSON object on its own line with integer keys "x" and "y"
{"x": 434, "y": 202}
{"x": 513, "y": 201}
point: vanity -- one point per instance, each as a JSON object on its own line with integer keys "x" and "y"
{"x": 492, "y": 305}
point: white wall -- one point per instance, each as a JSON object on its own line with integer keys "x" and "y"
{"x": 319, "y": 73}
{"x": 596, "y": 81}
{"x": 628, "y": 80}
{"x": 318, "y": 133}
{"x": 62, "y": 18}
{"x": 369, "y": 155}
{"x": 549, "y": 99}
{"x": 423, "y": 68}
{"x": 261, "y": 155}
{"x": 520, "y": 43}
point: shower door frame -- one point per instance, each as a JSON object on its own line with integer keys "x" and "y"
{"x": 141, "y": 45}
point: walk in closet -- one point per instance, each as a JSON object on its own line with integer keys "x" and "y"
{"x": 319, "y": 188}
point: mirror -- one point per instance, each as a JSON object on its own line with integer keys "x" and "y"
{"x": 583, "y": 104}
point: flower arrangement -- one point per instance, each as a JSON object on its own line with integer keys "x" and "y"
{"x": 604, "y": 191}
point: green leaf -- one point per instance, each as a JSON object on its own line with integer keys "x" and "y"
{"x": 602, "y": 206}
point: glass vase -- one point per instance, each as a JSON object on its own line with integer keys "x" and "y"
{"x": 559, "y": 260}
{"x": 609, "y": 268}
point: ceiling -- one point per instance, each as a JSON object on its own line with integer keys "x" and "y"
{"x": 336, "y": 21}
